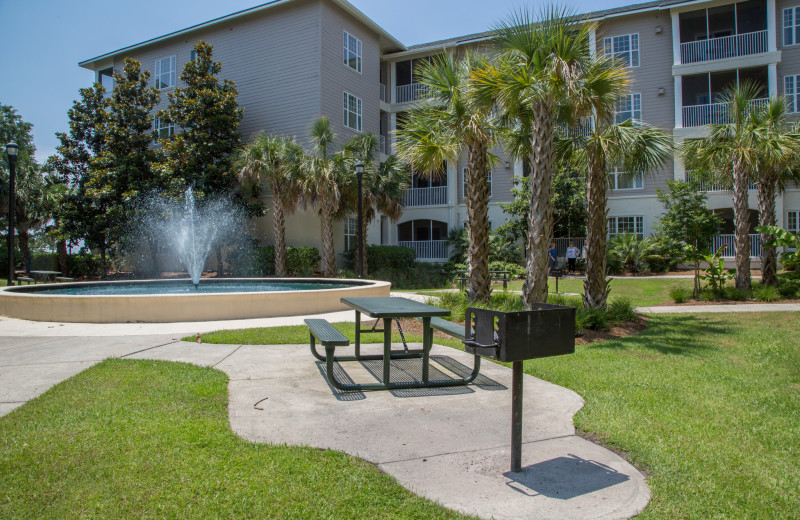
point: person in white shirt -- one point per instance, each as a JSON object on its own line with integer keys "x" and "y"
{"x": 572, "y": 256}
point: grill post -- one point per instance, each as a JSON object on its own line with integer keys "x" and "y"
{"x": 516, "y": 417}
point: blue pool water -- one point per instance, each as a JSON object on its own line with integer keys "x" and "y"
{"x": 180, "y": 287}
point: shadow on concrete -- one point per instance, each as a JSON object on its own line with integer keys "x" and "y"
{"x": 343, "y": 377}
{"x": 564, "y": 478}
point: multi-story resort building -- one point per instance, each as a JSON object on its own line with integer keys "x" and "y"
{"x": 296, "y": 60}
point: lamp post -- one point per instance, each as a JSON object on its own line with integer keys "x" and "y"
{"x": 12, "y": 149}
{"x": 360, "y": 176}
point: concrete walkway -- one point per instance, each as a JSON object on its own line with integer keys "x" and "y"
{"x": 741, "y": 307}
{"x": 450, "y": 445}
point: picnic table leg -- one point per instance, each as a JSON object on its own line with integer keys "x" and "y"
{"x": 427, "y": 343}
{"x": 358, "y": 334}
{"x": 505, "y": 284}
{"x": 387, "y": 350}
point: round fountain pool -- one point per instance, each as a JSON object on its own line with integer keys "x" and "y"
{"x": 179, "y": 300}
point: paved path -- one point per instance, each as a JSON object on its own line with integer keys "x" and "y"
{"x": 740, "y": 307}
{"x": 450, "y": 445}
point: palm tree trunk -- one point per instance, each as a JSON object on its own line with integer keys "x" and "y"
{"x": 476, "y": 199}
{"x": 741, "y": 222}
{"x": 279, "y": 221}
{"x": 326, "y": 225}
{"x": 595, "y": 285}
{"x": 540, "y": 223}
{"x": 61, "y": 247}
{"x": 766, "y": 217}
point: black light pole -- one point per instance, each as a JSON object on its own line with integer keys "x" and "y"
{"x": 12, "y": 149}
{"x": 360, "y": 176}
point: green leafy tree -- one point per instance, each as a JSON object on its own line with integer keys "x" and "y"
{"x": 687, "y": 219}
{"x": 123, "y": 173}
{"x": 79, "y": 214}
{"x": 449, "y": 121}
{"x": 206, "y": 118}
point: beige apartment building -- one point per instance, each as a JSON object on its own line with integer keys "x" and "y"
{"x": 295, "y": 60}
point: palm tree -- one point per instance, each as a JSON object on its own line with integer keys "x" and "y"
{"x": 536, "y": 77}
{"x": 320, "y": 186}
{"x": 273, "y": 160}
{"x": 730, "y": 155}
{"x": 450, "y": 121}
{"x": 779, "y": 147}
{"x": 384, "y": 185}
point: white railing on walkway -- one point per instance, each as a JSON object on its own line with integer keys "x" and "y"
{"x": 728, "y": 240}
{"x": 724, "y": 47}
{"x": 563, "y": 243}
{"x": 427, "y": 249}
{"x": 425, "y": 196}
{"x": 712, "y": 113}
{"x": 412, "y": 92}
{"x": 383, "y": 92}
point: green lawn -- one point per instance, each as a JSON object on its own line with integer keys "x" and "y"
{"x": 709, "y": 405}
{"x": 641, "y": 291}
{"x": 144, "y": 439}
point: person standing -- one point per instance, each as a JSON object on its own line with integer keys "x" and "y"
{"x": 552, "y": 258}
{"x": 572, "y": 257}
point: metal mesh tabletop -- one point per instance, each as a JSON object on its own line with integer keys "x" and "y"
{"x": 388, "y": 307}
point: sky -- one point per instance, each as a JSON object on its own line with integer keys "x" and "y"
{"x": 42, "y": 41}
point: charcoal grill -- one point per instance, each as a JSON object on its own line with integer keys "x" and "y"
{"x": 544, "y": 331}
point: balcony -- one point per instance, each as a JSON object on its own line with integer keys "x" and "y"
{"x": 435, "y": 196}
{"x": 411, "y": 92}
{"x": 427, "y": 249}
{"x": 712, "y": 113}
{"x": 724, "y": 47}
{"x": 728, "y": 241}
{"x": 710, "y": 187}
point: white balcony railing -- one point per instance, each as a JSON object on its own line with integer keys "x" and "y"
{"x": 728, "y": 240}
{"x": 427, "y": 249}
{"x": 412, "y": 92}
{"x": 712, "y": 113}
{"x": 425, "y": 196}
{"x": 708, "y": 186}
{"x": 725, "y": 47}
{"x": 583, "y": 129}
{"x": 383, "y": 92}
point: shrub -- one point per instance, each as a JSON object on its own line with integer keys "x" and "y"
{"x": 662, "y": 254}
{"x": 422, "y": 276}
{"x": 594, "y": 319}
{"x": 709, "y": 295}
{"x": 766, "y": 293}
{"x": 620, "y": 310}
{"x": 680, "y": 294}
{"x": 790, "y": 262}
{"x": 515, "y": 270}
{"x": 300, "y": 261}
{"x": 85, "y": 265}
{"x": 626, "y": 252}
{"x": 787, "y": 287}
{"x": 391, "y": 257}
{"x": 734, "y": 294}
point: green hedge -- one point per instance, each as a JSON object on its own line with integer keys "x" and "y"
{"x": 260, "y": 261}
{"x": 390, "y": 257}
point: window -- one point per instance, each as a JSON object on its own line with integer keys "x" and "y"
{"x": 618, "y": 180}
{"x": 793, "y": 222}
{"x": 625, "y": 48}
{"x": 352, "y": 52}
{"x": 464, "y": 183}
{"x": 162, "y": 128}
{"x": 350, "y": 233}
{"x": 352, "y": 112}
{"x": 629, "y": 107}
{"x": 791, "y": 26}
{"x": 790, "y": 90}
{"x": 165, "y": 73}
{"x": 626, "y": 225}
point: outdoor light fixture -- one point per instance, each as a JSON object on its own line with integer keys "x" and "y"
{"x": 12, "y": 149}
{"x": 360, "y": 175}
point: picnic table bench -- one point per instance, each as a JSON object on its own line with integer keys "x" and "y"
{"x": 27, "y": 279}
{"x": 64, "y": 279}
{"x": 497, "y": 276}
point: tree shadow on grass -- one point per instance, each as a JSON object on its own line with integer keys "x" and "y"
{"x": 685, "y": 335}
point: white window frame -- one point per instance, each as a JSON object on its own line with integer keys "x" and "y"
{"x": 635, "y": 111}
{"x": 352, "y": 49}
{"x": 791, "y": 21}
{"x": 165, "y": 79}
{"x": 350, "y": 233}
{"x": 633, "y": 52}
{"x": 793, "y": 221}
{"x": 616, "y": 173}
{"x": 790, "y": 90}
{"x": 158, "y": 127}
{"x": 638, "y": 225}
{"x": 464, "y": 183}
{"x": 354, "y": 111}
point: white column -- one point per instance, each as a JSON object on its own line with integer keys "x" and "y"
{"x": 772, "y": 33}
{"x": 392, "y": 83}
{"x": 392, "y": 128}
{"x": 676, "y": 39}
{"x": 772, "y": 79}
{"x": 678, "y": 101}
{"x": 452, "y": 194}
{"x": 593, "y": 42}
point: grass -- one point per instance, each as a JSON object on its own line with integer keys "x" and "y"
{"x": 640, "y": 291}
{"x": 708, "y": 405}
{"x": 144, "y": 439}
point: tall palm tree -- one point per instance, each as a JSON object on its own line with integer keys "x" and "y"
{"x": 450, "y": 121}
{"x": 778, "y": 142}
{"x": 601, "y": 142}
{"x": 320, "y": 186}
{"x": 273, "y": 160}
{"x": 536, "y": 77}
{"x": 384, "y": 185}
{"x": 730, "y": 155}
